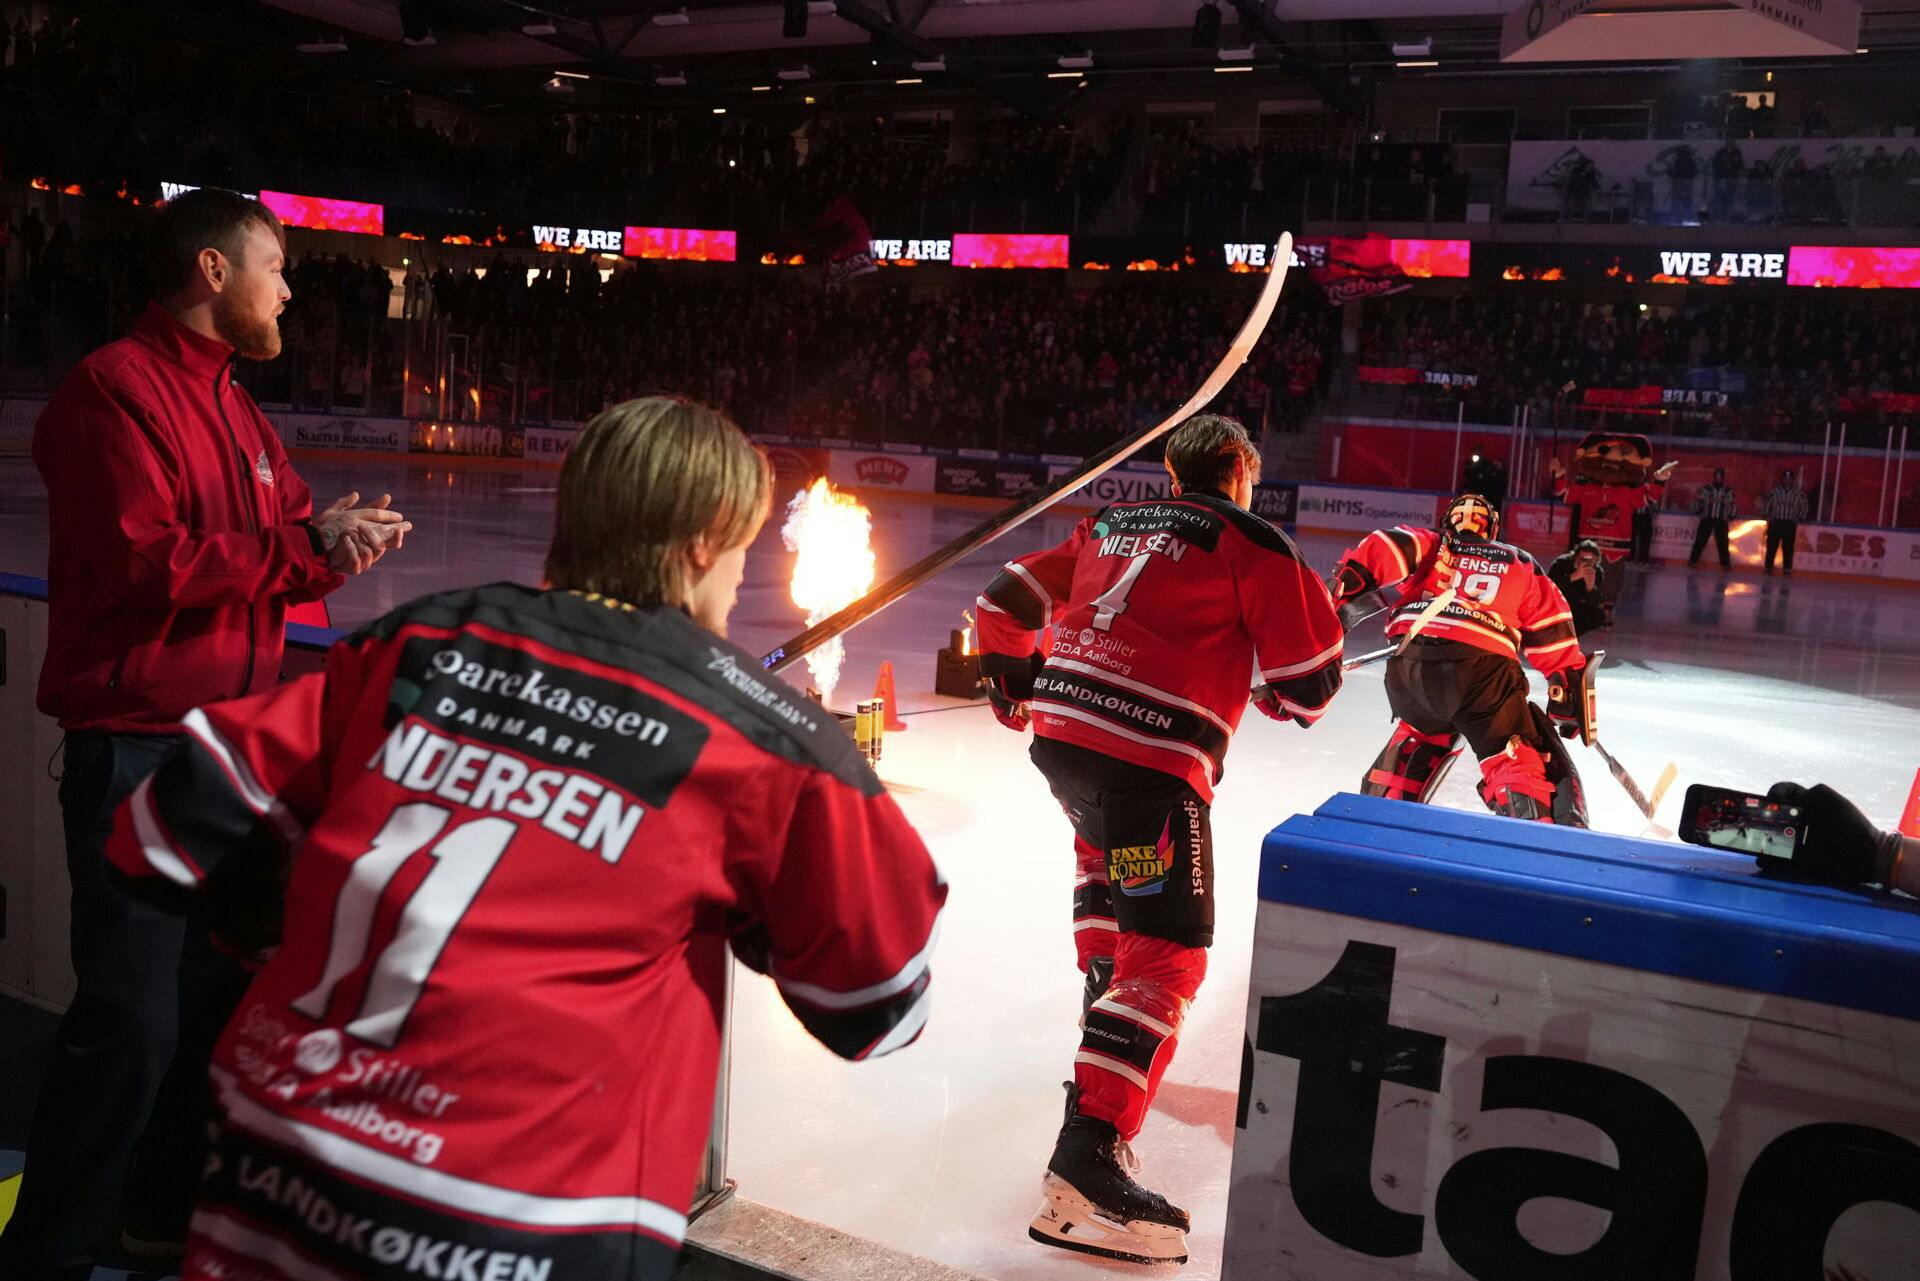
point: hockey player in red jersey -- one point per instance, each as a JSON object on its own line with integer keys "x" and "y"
{"x": 1461, "y": 676}
{"x": 1160, "y": 610}
{"x": 523, "y": 824}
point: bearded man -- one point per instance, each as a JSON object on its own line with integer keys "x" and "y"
{"x": 179, "y": 537}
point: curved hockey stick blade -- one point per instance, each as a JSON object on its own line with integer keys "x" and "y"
{"x": 1032, "y": 505}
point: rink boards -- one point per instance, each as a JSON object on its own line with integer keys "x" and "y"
{"x": 1478, "y": 1048}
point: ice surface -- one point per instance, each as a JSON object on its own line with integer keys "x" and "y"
{"x": 939, "y": 1149}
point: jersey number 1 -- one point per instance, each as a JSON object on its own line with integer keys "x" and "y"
{"x": 1112, "y": 603}
{"x": 463, "y": 860}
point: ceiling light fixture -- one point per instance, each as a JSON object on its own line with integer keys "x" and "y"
{"x": 1426, "y": 63}
{"x": 1229, "y": 70}
{"x": 910, "y": 80}
{"x": 539, "y": 29}
{"x": 573, "y": 75}
{"x": 1066, "y": 75}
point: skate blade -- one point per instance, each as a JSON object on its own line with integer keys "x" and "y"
{"x": 1070, "y": 1222}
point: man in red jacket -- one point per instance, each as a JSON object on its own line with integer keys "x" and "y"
{"x": 180, "y": 535}
{"x": 1159, "y": 611}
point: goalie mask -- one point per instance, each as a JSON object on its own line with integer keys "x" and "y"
{"x": 1471, "y": 516}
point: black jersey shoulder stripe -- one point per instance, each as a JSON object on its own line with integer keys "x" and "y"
{"x": 663, "y": 645}
{"x": 1017, "y": 600}
{"x": 1254, "y": 529}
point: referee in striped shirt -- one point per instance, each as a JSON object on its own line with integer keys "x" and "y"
{"x": 1784, "y": 506}
{"x": 1713, "y": 504}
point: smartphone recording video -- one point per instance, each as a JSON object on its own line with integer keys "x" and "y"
{"x": 1730, "y": 820}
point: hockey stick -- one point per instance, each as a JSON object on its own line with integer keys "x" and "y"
{"x": 1618, "y": 770}
{"x": 1638, "y": 797}
{"x": 1427, "y": 615}
{"x": 1032, "y": 505}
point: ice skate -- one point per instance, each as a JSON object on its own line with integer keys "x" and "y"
{"x": 1094, "y": 1206}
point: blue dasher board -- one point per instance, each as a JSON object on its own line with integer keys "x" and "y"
{"x": 1491, "y": 1049}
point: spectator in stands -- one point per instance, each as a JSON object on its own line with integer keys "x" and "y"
{"x": 1713, "y": 504}
{"x": 1581, "y": 575}
{"x": 175, "y": 557}
{"x": 1681, "y": 171}
{"x": 1784, "y": 506}
{"x": 1814, "y": 122}
{"x": 1728, "y": 166}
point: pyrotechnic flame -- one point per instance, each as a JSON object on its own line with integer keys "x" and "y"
{"x": 830, "y": 533}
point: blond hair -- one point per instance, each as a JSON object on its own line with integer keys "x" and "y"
{"x": 645, "y": 480}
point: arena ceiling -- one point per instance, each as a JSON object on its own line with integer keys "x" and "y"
{"x": 619, "y": 52}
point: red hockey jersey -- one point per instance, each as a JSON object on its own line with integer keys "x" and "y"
{"x": 1505, "y": 603}
{"x": 525, "y": 824}
{"x": 1159, "y": 610}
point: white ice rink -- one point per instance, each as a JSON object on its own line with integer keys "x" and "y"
{"x": 938, "y": 1150}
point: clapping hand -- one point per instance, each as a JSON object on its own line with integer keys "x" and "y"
{"x": 356, "y": 536}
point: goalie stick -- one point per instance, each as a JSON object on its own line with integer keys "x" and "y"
{"x": 1427, "y": 615}
{"x": 1619, "y": 771}
{"x": 1025, "y": 509}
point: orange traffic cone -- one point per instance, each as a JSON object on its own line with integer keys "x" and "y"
{"x": 883, "y": 689}
{"x": 1910, "y": 821}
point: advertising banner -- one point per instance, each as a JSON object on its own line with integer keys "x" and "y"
{"x": 795, "y": 466}
{"x": 987, "y": 478}
{"x": 1566, "y": 1054}
{"x": 1276, "y": 502}
{"x": 1375, "y": 266}
{"x": 1121, "y": 485}
{"x": 682, "y": 244}
{"x": 549, "y": 444}
{"x": 1338, "y": 507}
{"x": 472, "y": 440}
{"x": 995, "y": 250}
{"x": 359, "y": 435}
{"x": 18, "y": 414}
{"x": 1849, "y": 267}
{"x": 322, "y": 214}
{"x": 853, "y": 469}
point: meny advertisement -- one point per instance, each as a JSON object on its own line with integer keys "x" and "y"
{"x": 854, "y": 469}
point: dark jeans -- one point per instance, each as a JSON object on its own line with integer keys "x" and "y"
{"x": 1717, "y": 527}
{"x": 118, "y": 1106}
{"x": 1781, "y": 535}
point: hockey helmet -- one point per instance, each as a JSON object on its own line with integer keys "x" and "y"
{"x": 1471, "y": 516}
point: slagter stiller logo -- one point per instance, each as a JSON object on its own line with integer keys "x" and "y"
{"x": 881, "y": 471}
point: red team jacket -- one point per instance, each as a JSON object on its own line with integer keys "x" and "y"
{"x": 176, "y": 534}
{"x": 1159, "y": 609}
{"x": 524, "y": 824}
{"x": 1506, "y": 603}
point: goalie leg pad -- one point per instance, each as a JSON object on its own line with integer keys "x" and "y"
{"x": 1411, "y": 765}
{"x": 1569, "y": 797}
{"x": 1129, "y": 1035}
{"x": 1514, "y": 782}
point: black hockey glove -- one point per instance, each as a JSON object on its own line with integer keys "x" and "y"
{"x": 1842, "y": 848}
{"x": 1009, "y": 683}
{"x": 1570, "y": 704}
{"x": 1267, "y": 699}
